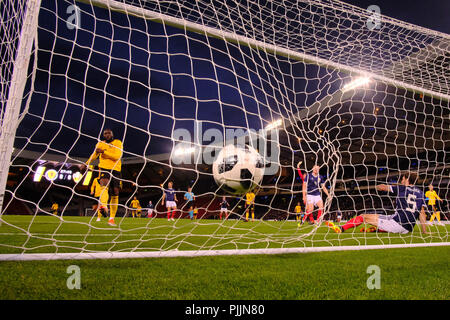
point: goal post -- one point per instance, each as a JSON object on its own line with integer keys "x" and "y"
{"x": 302, "y": 83}
{"x": 16, "y": 85}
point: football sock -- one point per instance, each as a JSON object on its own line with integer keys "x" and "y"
{"x": 353, "y": 223}
{"x": 114, "y": 204}
{"x": 319, "y": 214}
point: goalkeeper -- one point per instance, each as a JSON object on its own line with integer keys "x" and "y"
{"x": 410, "y": 205}
{"x": 109, "y": 151}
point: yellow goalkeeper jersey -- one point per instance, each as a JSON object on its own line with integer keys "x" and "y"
{"x": 298, "y": 209}
{"x": 432, "y": 197}
{"x": 250, "y": 197}
{"x": 55, "y": 206}
{"x": 110, "y": 158}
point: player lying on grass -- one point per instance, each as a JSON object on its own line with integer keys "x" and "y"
{"x": 409, "y": 205}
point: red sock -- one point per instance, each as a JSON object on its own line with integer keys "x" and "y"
{"x": 311, "y": 217}
{"x": 300, "y": 174}
{"x": 306, "y": 216}
{"x": 319, "y": 214}
{"x": 356, "y": 221}
{"x": 168, "y": 214}
{"x": 173, "y": 214}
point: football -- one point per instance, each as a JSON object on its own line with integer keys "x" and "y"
{"x": 238, "y": 170}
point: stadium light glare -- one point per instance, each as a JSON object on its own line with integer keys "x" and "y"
{"x": 184, "y": 151}
{"x": 274, "y": 124}
{"x": 358, "y": 82}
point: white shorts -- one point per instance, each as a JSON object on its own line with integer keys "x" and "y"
{"x": 149, "y": 211}
{"x": 386, "y": 223}
{"x": 223, "y": 209}
{"x": 313, "y": 199}
{"x": 171, "y": 204}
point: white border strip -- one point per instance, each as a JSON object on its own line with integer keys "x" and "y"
{"x": 201, "y": 253}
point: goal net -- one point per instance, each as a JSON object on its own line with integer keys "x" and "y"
{"x": 291, "y": 85}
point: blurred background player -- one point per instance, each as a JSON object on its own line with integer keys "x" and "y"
{"x": 190, "y": 198}
{"x": 250, "y": 205}
{"x": 170, "y": 198}
{"x": 135, "y": 205}
{"x": 150, "y": 209}
{"x": 432, "y": 196}
{"x": 298, "y": 214}
{"x": 55, "y": 207}
{"x": 139, "y": 211}
{"x": 338, "y": 216}
{"x": 312, "y": 196}
{"x": 195, "y": 212}
{"x": 101, "y": 194}
{"x": 224, "y": 208}
{"x": 409, "y": 206}
{"x": 109, "y": 151}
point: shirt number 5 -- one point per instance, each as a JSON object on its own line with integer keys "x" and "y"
{"x": 412, "y": 206}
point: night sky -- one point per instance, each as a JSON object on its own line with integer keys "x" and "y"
{"x": 182, "y": 79}
{"x": 431, "y": 14}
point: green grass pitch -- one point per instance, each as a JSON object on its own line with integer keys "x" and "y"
{"x": 413, "y": 273}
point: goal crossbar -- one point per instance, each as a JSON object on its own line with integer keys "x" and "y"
{"x": 259, "y": 45}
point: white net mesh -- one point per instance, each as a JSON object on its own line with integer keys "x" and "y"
{"x": 363, "y": 96}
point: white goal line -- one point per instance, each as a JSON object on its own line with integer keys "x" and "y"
{"x": 201, "y": 253}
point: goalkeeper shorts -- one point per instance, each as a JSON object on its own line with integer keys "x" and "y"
{"x": 113, "y": 176}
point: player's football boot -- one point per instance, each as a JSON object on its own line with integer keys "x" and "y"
{"x": 104, "y": 211}
{"x": 332, "y": 226}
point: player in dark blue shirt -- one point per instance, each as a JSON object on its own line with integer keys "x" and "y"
{"x": 224, "y": 208}
{"x": 409, "y": 206}
{"x": 150, "y": 208}
{"x": 171, "y": 198}
{"x": 312, "y": 184}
